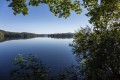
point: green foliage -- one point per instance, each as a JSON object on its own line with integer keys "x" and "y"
{"x": 19, "y": 6}
{"x": 30, "y": 68}
{"x": 103, "y": 12}
{"x": 99, "y": 11}
{"x": 98, "y": 50}
{"x": 60, "y": 8}
{"x": 99, "y": 53}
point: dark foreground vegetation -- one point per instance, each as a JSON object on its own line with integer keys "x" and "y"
{"x": 98, "y": 54}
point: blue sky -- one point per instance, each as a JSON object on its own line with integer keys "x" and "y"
{"x": 39, "y": 20}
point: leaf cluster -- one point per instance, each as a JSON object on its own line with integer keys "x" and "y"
{"x": 103, "y": 12}
{"x": 61, "y": 8}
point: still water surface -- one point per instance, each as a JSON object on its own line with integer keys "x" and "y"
{"x": 54, "y": 53}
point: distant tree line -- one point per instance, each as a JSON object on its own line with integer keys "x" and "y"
{"x": 19, "y": 35}
{"x": 61, "y": 35}
{"x": 1, "y": 36}
{"x": 5, "y": 35}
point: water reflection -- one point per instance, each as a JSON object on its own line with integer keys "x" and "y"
{"x": 2, "y": 39}
{"x": 54, "y": 53}
{"x": 96, "y": 61}
{"x": 30, "y": 68}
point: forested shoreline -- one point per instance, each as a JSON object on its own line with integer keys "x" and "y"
{"x": 6, "y": 35}
{"x": 61, "y": 35}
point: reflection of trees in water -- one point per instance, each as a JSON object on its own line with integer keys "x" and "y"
{"x": 97, "y": 54}
{"x": 70, "y": 73}
{"x": 5, "y": 35}
{"x": 61, "y": 35}
{"x": 30, "y": 68}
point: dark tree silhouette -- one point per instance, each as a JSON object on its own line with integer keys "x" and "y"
{"x": 99, "y": 54}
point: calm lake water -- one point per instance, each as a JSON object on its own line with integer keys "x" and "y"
{"x": 54, "y": 53}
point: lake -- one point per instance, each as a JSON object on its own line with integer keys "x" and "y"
{"x": 54, "y": 53}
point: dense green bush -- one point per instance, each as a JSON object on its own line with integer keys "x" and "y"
{"x": 98, "y": 53}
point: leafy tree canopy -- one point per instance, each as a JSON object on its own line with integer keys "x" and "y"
{"x": 99, "y": 11}
{"x": 60, "y": 8}
{"x": 103, "y": 13}
{"x": 98, "y": 50}
{"x": 98, "y": 54}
